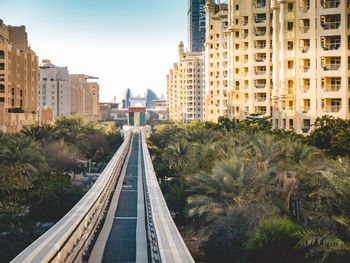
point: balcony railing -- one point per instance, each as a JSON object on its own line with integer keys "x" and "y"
{"x": 331, "y": 87}
{"x": 260, "y": 72}
{"x": 260, "y": 99}
{"x": 259, "y": 4}
{"x": 260, "y": 59}
{"x": 304, "y": 49}
{"x": 304, "y": 88}
{"x": 330, "y": 4}
{"x": 327, "y": 67}
{"x": 330, "y": 25}
{"x": 260, "y": 46}
{"x": 260, "y": 86}
{"x": 304, "y": 8}
{"x": 333, "y": 108}
{"x": 260, "y": 112}
{"x": 305, "y": 109}
{"x": 304, "y": 29}
{"x": 330, "y": 46}
{"x": 305, "y": 129}
{"x": 259, "y": 20}
{"x": 260, "y": 33}
{"x": 304, "y": 68}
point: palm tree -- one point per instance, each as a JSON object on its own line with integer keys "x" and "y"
{"x": 329, "y": 241}
{"x": 235, "y": 182}
{"x": 24, "y": 154}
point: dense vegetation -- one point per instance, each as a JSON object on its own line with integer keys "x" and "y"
{"x": 36, "y": 170}
{"x": 257, "y": 195}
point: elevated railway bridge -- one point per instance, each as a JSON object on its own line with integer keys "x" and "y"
{"x": 123, "y": 218}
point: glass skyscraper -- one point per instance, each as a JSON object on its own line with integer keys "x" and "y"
{"x": 196, "y": 25}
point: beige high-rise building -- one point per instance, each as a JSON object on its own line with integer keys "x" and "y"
{"x": 94, "y": 89}
{"x": 216, "y": 61}
{"x": 292, "y": 58}
{"x": 83, "y": 97}
{"x": 54, "y": 89}
{"x": 18, "y": 80}
{"x": 250, "y": 58}
{"x": 185, "y": 87}
{"x": 314, "y": 35}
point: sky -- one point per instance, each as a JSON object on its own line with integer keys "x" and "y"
{"x": 127, "y": 44}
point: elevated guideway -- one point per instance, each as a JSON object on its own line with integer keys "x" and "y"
{"x": 123, "y": 218}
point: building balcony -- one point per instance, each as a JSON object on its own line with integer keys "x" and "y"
{"x": 260, "y": 31}
{"x": 330, "y": 3}
{"x": 245, "y": 33}
{"x": 260, "y": 45}
{"x": 304, "y": 68}
{"x": 331, "y": 87}
{"x": 330, "y": 46}
{"x": 305, "y": 109}
{"x": 330, "y": 21}
{"x": 304, "y": 29}
{"x": 260, "y": 85}
{"x": 259, "y": 3}
{"x": 244, "y": 20}
{"x": 260, "y": 18}
{"x": 305, "y": 88}
{"x": 328, "y": 67}
{"x": 262, "y": 99}
{"x": 332, "y": 108}
{"x": 305, "y": 129}
{"x": 260, "y": 72}
{"x": 304, "y": 49}
{"x": 304, "y": 6}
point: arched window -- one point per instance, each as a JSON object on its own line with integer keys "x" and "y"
{"x": 2, "y": 54}
{"x": 2, "y": 88}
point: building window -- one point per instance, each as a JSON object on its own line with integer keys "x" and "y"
{"x": 13, "y": 92}
{"x": 237, "y": 7}
{"x": 2, "y": 54}
{"x": 2, "y": 66}
{"x": 13, "y": 102}
{"x": 290, "y": 26}
{"x": 290, "y": 45}
{"x": 291, "y": 124}
{"x": 2, "y": 99}
{"x": 2, "y": 88}
{"x": 290, "y": 7}
{"x": 2, "y": 77}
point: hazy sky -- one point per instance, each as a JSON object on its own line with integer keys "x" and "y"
{"x": 127, "y": 44}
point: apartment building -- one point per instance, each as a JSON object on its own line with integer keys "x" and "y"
{"x": 320, "y": 85}
{"x": 185, "y": 87}
{"x": 54, "y": 89}
{"x": 216, "y": 61}
{"x": 83, "y": 96}
{"x": 18, "y": 80}
{"x": 94, "y": 89}
{"x": 250, "y": 58}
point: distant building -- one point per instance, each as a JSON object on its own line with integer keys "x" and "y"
{"x": 18, "y": 80}
{"x": 83, "y": 100}
{"x": 54, "y": 89}
{"x": 196, "y": 25}
{"x": 158, "y": 111}
{"x": 185, "y": 87}
{"x": 216, "y": 60}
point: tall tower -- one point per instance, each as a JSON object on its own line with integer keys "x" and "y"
{"x": 196, "y": 25}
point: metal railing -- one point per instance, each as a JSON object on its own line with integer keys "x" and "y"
{"x": 71, "y": 238}
{"x": 331, "y": 87}
{"x": 166, "y": 243}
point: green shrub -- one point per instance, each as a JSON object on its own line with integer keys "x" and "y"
{"x": 275, "y": 241}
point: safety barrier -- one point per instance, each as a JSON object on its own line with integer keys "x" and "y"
{"x": 166, "y": 243}
{"x": 71, "y": 238}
